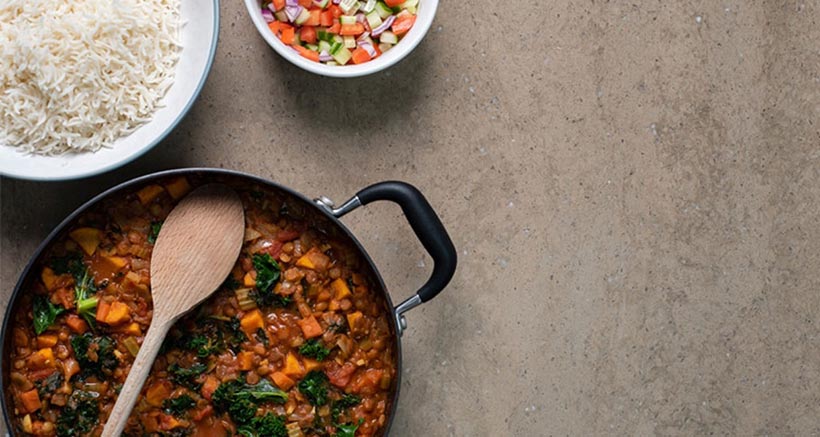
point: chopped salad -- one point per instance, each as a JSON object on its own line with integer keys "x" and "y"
{"x": 340, "y": 32}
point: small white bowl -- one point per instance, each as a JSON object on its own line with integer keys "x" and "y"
{"x": 424, "y": 19}
{"x": 199, "y": 33}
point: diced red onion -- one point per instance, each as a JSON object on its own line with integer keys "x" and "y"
{"x": 360, "y": 17}
{"x": 368, "y": 48}
{"x": 318, "y": 3}
{"x": 325, "y": 57}
{"x": 384, "y": 26}
{"x": 271, "y": 7}
{"x": 291, "y": 2}
{"x": 364, "y": 36}
{"x": 267, "y": 15}
{"x": 336, "y": 2}
{"x": 293, "y": 12}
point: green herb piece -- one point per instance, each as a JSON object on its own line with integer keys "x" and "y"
{"x": 187, "y": 377}
{"x": 230, "y": 283}
{"x": 154, "y": 232}
{"x": 313, "y": 348}
{"x": 179, "y": 405}
{"x": 314, "y": 386}
{"x": 95, "y": 354}
{"x": 80, "y": 415}
{"x": 346, "y": 401}
{"x": 45, "y": 313}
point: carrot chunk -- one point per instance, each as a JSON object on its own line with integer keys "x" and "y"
{"x": 87, "y": 238}
{"x": 245, "y": 359}
{"x": 288, "y": 36}
{"x": 76, "y": 324}
{"x": 282, "y": 381}
{"x": 340, "y": 288}
{"x": 351, "y": 29}
{"x": 293, "y": 368}
{"x": 158, "y": 392}
{"x": 252, "y": 322}
{"x": 178, "y": 187}
{"x": 30, "y": 400}
{"x": 311, "y": 327}
{"x": 149, "y": 193}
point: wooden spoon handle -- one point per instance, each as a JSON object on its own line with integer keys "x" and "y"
{"x": 136, "y": 378}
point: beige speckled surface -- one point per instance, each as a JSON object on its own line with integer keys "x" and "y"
{"x": 634, "y": 190}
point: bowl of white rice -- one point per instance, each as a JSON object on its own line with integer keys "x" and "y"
{"x": 87, "y": 86}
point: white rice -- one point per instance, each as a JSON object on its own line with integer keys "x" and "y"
{"x": 76, "y": 75}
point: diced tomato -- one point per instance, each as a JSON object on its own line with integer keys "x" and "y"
{"x": 203, "y": 413}
{"x": 278, "y": 4}
{"x": 305, "y": 3}
{"x": 209, "y": 387}
{"x": 288, "y": 36}
{"x": 336, "y": 10}
{"x": 393, "y": 3}
{"x": 285, "y": 236}
{"x": 360, "y": 56}
{"x": 403, "y": 24}
{"x": 335, "y": 28}
{"x": 315, "y": 18}
{"x": 367, "y": 382}
{"x": 351, "y": 29}
{"x": 326, "y": 18}
{"x": 307, "y": 53}
{"x": 340, "y": 376}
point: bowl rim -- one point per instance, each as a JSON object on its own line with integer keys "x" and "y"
{"x": 151, "y": 144}
{"x": 410, "y": 41}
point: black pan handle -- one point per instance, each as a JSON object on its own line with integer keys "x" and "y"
{"x": 425, "y": 223}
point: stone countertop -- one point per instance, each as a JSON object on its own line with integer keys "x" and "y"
{"x": 633, "y": 189}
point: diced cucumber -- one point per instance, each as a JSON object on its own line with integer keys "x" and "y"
{"x": 324, "y": 46}
{"x": 350, "y": 42}
{"x": 331, "y": 63}
{"x": 323, "y": 4}
{"x": 383, "y": 10}
{"x": 281, "y": 16}
{"x": 385, "y": 47}
{"x": 412, "y": 9}
{"x": 304, "y": 16}
{"x": 347, "y": 19}
{"x": 313, "y": 47}
{"x": 342, "y": 56}
{"x": 373, "y": 19}
{"x": 335, "y": 48}
{"x": 369, "y": 6}
{"x": 409, "y": 3}
{"x": 366, "y": 39}
{"x": 324, "y": 35}
{"x": 388, "y": 37}
{"x": 338, "y": 39}
{"x": 349, "y": 6}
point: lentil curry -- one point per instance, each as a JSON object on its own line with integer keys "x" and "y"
{"x": 296, "y": 342}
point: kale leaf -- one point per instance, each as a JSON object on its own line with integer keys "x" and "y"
{"x": 348, "y": 430}
{"x": 346, "y": 401}
{"x": 179, "y": 405}
{"x": 240, "y": 400}
{"x": 45, "y": 313}
{"x": 80, "y": 415}
{"x": 313, "y": 348}
{"x": 314, "y": 386}
{"x": 187, "y": 377}
{"x": 154, "y": 233}
{"x": 50, "y": 384}
{"x": 95, "y": 354}
{"x": 269, "y": 425}
{"x": 267, "y": 273}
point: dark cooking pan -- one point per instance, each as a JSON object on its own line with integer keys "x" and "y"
{"x": 420, "y": 215}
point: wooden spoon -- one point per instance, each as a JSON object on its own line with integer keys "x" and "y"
{"x": 194, "y": 253}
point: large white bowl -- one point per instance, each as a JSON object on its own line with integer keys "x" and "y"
{"x": 200, "y": 29}
{"x": 424, "y": 19}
